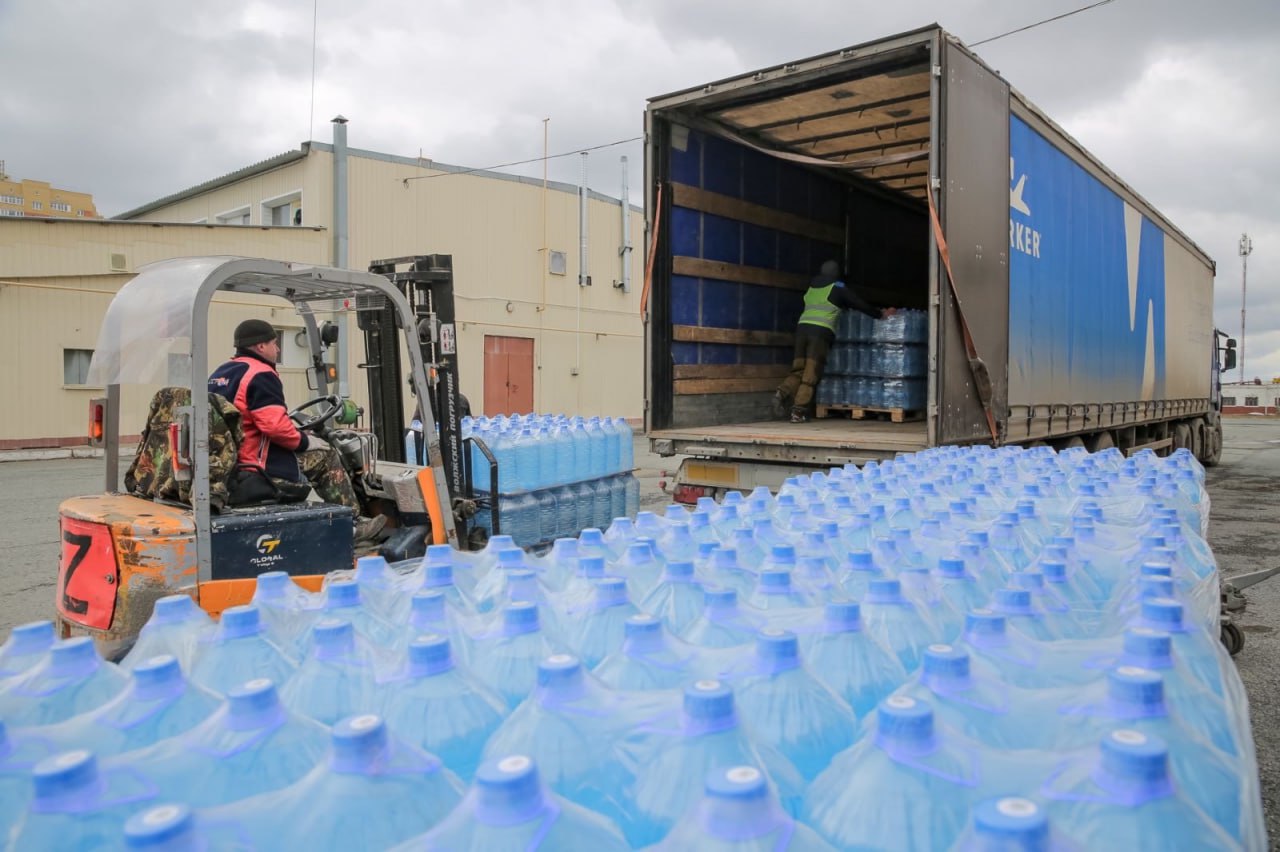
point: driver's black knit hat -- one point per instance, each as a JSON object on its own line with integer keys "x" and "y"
{"x": 252, "y": 332}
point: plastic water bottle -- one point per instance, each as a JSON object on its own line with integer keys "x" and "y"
{"x": 597, "y": 449}
{"x": 337, "y": 679}
{"x": 371, "y": 792}
{"x": 19, "y": 753}
{"x": 510, "y": 809}
{"x": 71, "y": 680}
{"x": 856, "y": 667}
{"x": 239, "y": 650}
{"x": 286, "y": 610}
{"x": 79, "y": 805}
{"x": 677, "y": 599}
{"x": 896, "y": 623}
{"x": 1012, "y": 823}
{"x": 651, "y": 658}
{"x": 723, "y": 623}
{"x": 612, "y": 447}
{"x": 175, "y": 627}
{"x": 626, "y": 444}
{"x": 251, "y": 745}
{"x": 158, "y": 704}
{"x": 905, "y": 786}
{"x": 381, "y": 589}
{"x": 434, "y": 705}
{"x": 775, "y": 591}
{"x": 640, "y": 567}
{"x": 726, "y": 570}
{"x": 598, "y": 621}
{"x": 413, "y": 440}
{"x": 26, "y": 646}
{"x": 177, "y": 827}
{"x": 1121, "y": 796}
{"x": 738, "y": 812}
{"x": 345, "y": 599}
{"x": 671, "y": 759}
{"x": 507, "y": 656}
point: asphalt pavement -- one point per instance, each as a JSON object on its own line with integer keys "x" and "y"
{"x": 1244, "y": 533}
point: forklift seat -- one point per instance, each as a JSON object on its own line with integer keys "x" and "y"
{"x": 150, "y": 476}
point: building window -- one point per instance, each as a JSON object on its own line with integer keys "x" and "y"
{"x": 75, "y": 366}
{"x": 557, "y": 263}
{"x": 80, "y": 213}
{"x": 234, "y": 217}
{"x": 1251, "y": 400}
{"x": 60, "y": 206}
{"x": 37, "y": 205}
{"x": 1228, "y": 400}
{"x": 283, "y": 210}
{"x": 14, "y": 213}
{"x": 11, "y": 199}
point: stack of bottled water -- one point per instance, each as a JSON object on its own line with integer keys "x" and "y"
{"x": 960, "y": 649}
{"x": 878, "y": 363}
{"x": 557, "y": 475}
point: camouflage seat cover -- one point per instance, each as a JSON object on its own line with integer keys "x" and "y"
{"x": 151, "y": 474}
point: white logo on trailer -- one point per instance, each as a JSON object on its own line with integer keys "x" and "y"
{"x": 1022, "y": 237}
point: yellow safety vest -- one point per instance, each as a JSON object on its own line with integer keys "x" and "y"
{"x": 818, "y": 309}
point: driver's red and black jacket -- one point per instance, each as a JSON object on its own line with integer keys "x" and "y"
{"x": 270, "y": 437}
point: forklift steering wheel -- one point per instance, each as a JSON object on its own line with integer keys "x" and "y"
{"x": 332, "y": 407}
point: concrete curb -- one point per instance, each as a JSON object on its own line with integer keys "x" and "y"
{"x": 53, "y": 453}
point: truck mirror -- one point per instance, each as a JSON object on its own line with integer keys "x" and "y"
{"x": 313, "y": 377}
{"x": 1231, "y": 343}
{"x": 1229, "y": 359}
{"x": 329, "y": 333}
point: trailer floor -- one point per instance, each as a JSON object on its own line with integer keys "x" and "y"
{"x": 837, "y": 434}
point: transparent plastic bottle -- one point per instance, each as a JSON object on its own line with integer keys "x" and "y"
{"x": 239, "y": 650}
{"x": 598, "y": 621}
{"x": 79, "y": 805}
{"x": 677, "y": 599}
{"x": 856, "y": 667}
{"x": 175, "y": 627}
{"x": 71, "y": 680}
{"x": 337, "y": 679}
{"x": 26, "y": 646}
{"x": 723, "y": 622}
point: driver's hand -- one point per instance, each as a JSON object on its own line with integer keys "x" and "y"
{"x": 888, "y": 312}
{"x": 315, "y": 442}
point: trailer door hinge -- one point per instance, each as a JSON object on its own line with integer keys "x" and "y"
{"x": 937, "y": 70}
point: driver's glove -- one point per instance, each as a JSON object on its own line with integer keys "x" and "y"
{"x": 312, "y": 442}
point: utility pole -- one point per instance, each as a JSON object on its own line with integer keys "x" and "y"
{"x": 1246, "y": 249}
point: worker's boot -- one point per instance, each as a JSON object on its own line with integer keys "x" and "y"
{"x": 799, "y": 415}
{"x": 779, "y": 405}
{"x": 370, "y": 530}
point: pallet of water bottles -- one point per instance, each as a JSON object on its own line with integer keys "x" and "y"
{"x": 964, "y": 648}
{"x": 557, "y": 475}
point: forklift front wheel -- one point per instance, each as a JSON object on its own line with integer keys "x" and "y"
{"x": 1232, "y": 638}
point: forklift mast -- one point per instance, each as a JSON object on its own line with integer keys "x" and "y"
{"x": 427, "y": 283}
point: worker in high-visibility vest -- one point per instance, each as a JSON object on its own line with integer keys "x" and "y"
{"x": 815, "y": 333}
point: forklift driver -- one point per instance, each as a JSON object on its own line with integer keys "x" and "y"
{"x": 277, "y": 460}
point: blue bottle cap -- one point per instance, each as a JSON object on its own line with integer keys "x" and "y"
{"x": 638, "y": 552}
{"x": 884, "y": 590}
{"x": 786, "y": 501}
{"x": 1013, "y": 601}
{"x": 842, "y": 616}
{"x": 776, "y": 581}
{"x": 1010, "y": 518}
{"x": 886, "y": 544}
{"x": 679, "y": 571}
{"x": 1163, "y": 614}
{"x": 843, "y": 501}
{"x": 441, "y": 554}
{"x": 1155, "y": 587}
{"x": 371, "y": 569}
{"x": 622, "y": 527}
{"x": 946, "y": 661}
{"x": 958, "y": 507}
{"x": 901, "y": 503}
{"x": 1012, "y": 823}
{"x": 1152, "y": 541}
{"x": 1166, "y": 555}
{"x": 1054, "y": 572}
{"x": 508, "y": 791}
{"x": 334, "y": 637}
{"x": 591, "y": 537}
{"x": 642, "y": 626}
{"x": 167, "y": 827}
{"x": 778, "y": 649}
{"x": 877, "y": 511}
{"x": 1155, "y": 569}
{"x": 437, "y": 576}
{"x": 860, "y": 560}
{"x": 709, "y": 703}
{"x": 498, "y": 542}
{"x": 241, "y": 621}
{"x": 726, "y": 558}
{"x": 905, "y": 721}
{"x": 829, "y": 529}
{"x": 949, "y": 567}
{"x": 511, "y": 557}
{"x": 969, "y": 549}
{"x": 172, "y": 609}
{"x": 520, "y": 617}
{"x": 1087, "y": 489}
{"x": 927, "y": 488}
{"x": 1153, "y": 649}
{"x": 358, "y": 742}
{"x": 733, "y": 498}
{"x": 719, "y": 596}
{"x": 157, "y": 676}
{"x": 252, "y": 703}
{"x": 74, "y": 656}
{"x": 560, "y": 672}
{"x": 430, "y": 654}
{"x": 783, "y": 553}
{"x": 565, "y": 548}
{"x": 342, "y": 594}
{"x": 427, "y": 605}
{"x": 64, "y": 775}
{"x": 1136, "y": 758}
{"x": 705, "y": 548}
{"x": 707, "y": 504}
{"x": 271, "y": 586}
{"x": 1136, "y": 687}
{"x": 699, "y": 519}
{"x": 984, "y": 622}
{"x": 34, "y": 636}
{"x": 979, "y": 537}
{"x": 1032, "y": 581}
{"x": 737, "y": 783}
{"x": 591, "y": 567}
{"x": 610, "y": 591}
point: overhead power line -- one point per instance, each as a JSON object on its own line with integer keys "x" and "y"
{"x": 525, "y": 162}
{"x": 1041, "y": 23}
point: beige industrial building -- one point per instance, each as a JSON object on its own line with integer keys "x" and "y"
{"x": 532, "y": 333}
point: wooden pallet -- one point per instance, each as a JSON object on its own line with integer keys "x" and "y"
{"x": 857, "y": 412}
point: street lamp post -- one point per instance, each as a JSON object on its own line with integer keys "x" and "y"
{"x": 1246, "y": 249}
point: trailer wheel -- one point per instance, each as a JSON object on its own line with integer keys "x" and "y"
{"x": 1232, "y": 638}
{"x": 1212, "y": 444}
{"x": 1101, "y": 441}
{"x": 1197, "y": 438}
{"x": 1181, "y": 437}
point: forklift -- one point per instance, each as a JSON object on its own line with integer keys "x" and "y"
{"x": 176, "y": 530}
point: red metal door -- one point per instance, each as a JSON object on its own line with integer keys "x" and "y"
{"x": 508, "y": 375}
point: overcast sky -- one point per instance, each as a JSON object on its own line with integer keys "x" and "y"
{"x": 134, "y": 99}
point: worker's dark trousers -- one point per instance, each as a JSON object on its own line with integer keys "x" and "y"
{"x": 323, "y": 468}
{"x": 810, "y": 358}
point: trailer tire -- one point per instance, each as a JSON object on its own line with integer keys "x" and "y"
{"x": 1181, "y": 437}
{"x": 1071, "y": 443}
{"x": 1197, "y": 438}
{"x": 1212, "y": 441}
{"x": 1101, "y": 441}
